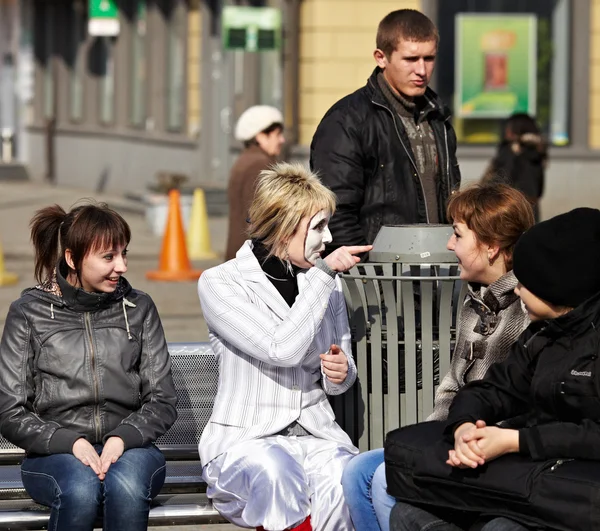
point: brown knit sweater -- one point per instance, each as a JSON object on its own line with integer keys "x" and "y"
{"x": 413, "y": 115}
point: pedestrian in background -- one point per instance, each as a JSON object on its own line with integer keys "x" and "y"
{"x": 521, "y": 159}
{"x": 272, "y": 453}
{"x": 85, "y": 376}
{"x": 388, "y": 150}
{"x": 260, "y": 128}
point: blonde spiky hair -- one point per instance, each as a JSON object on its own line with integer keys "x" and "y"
{"x": 285, "y": 193}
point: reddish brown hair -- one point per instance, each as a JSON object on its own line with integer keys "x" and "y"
{"x": 496, "y": 213}
{"x": 406, "y": 24}
{"x": 84, "y": 229}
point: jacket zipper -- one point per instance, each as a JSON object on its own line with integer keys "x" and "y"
{"x": 558, "y": 463}
{"x": 447, "y": 157}
{"x": 408, "y": 154}
{"x": 88, "y": 328}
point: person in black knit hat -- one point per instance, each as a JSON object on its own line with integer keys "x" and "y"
{"x": 506, "y": 478}
{"x": 558, "y": 259}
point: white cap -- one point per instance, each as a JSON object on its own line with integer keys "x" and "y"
{"x": 256, "y": 119}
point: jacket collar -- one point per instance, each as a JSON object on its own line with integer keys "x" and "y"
{"x": 258, "y": 282}
{"x": 254, "y": 150}
{"x": 376, "y": 95}
{"x": 577, "y": 321}
{"x": 59, "y": 292}
{"x": 499, "y": 295}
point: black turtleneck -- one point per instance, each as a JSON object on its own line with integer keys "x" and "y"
{"x": 285, "y": 282}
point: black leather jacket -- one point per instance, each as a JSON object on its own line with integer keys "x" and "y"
{"x": 362, "y": 153}
{"x": 75, "y": 364}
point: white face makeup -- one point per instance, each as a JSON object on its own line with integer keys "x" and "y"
{"x": 317, "y": 236}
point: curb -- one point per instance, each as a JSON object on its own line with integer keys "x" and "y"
{"x": 13, "y": 171}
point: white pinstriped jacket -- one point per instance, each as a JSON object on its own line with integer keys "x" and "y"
{"x": 270, "y": 372}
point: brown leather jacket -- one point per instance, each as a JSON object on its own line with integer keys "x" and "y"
{"x": 242, "y": 182}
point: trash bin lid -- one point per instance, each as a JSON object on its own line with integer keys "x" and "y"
{"x": 419, "y": 243}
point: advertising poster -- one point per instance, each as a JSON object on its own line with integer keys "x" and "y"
{"x": 496, "y": 65}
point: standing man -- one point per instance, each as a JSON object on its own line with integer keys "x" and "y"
{"x": 388, "y": 150}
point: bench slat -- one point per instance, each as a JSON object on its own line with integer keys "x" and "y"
{"x": 180, "y": 509}
{"x": 186, "y": 473}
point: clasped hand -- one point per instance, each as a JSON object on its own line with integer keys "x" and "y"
{"x": 335, "y": 364}
{"x": 87, "y": 454}
{"x": 476, "y": 444}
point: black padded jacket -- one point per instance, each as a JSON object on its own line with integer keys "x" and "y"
{"x": 552, "y": 377}
{"x": 362, "y": 153}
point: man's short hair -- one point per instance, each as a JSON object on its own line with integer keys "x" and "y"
{"x": 406, "y": 24}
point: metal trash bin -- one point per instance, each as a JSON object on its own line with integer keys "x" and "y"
{"x": 402, "y": 308}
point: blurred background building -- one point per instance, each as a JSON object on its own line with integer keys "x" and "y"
{"x": 163, "y": 93}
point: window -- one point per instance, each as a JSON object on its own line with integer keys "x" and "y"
{"x": 48, "y": 17}
{"x": 76, "y": 60}
{"x": 176, "y": 68}
{"x": 139, "y": 70}
{"x": 513, "y": 55}
{"x": 257, "y": 76}
{"x": 107, "y": 79}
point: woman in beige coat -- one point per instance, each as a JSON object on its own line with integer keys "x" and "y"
{"x": 260, "y": 128}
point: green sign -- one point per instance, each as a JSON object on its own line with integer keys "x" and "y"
{"x": 251, "y": 28}
{"x": 496, "y": 65}
{"x": 103, "y": 9}
{"x": 104, "y": 18}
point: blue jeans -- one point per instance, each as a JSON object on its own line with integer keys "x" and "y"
{"x": 405, "y": 517}
{"x": 365, "y": 491}
{"x": 75, "y": 494}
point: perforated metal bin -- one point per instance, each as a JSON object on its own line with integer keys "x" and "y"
{"x": 402, "y": 308}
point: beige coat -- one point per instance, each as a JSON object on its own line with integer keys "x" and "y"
{"x": 242, "y": 182}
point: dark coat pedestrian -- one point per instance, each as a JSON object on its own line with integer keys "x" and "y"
{"x": 521, "y": 159}
{"x": 242, "y": 183}
{"x": 260, "y": 128}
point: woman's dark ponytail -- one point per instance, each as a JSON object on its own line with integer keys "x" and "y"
{"x": 45, "y": 236}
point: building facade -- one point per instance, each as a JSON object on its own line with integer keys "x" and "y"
{"x": 163, "y": 95}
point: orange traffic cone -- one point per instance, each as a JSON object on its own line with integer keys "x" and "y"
{"x": 174, "y": 262}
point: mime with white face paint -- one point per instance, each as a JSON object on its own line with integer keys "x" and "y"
{"x": 272, "y": 453}
{"x": 317, "y": 236}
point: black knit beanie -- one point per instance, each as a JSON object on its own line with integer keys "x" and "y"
{"x": 558, "y": 260}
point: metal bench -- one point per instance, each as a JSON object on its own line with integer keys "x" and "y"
{"x": 182, "y": 500}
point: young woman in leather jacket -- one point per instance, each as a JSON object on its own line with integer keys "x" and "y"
{"x": 85, "y": 376}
